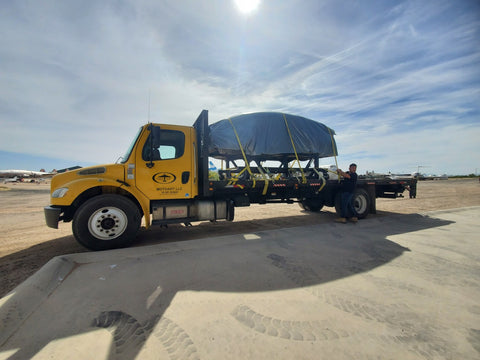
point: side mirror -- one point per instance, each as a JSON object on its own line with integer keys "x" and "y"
{"x": 154, "y": 142}
{"x": 155, "y": 131}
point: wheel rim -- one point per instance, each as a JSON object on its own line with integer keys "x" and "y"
{"x": 360, "y": 204}
{"x": 107, "y": 223}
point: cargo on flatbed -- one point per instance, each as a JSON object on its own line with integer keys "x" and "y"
{"x": 164, "y": 177}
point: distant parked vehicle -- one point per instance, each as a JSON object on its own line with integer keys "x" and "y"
{"x": 12, "y": 180}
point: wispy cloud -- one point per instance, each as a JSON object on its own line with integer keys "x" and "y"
{"x": 399, "y": 82}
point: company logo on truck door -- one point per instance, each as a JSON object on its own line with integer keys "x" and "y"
{"x": 164, "y": 178}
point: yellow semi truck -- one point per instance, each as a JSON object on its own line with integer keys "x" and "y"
{"x": 164, "y": 178}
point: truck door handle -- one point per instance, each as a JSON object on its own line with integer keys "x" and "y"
{"x": 185, "y": 177}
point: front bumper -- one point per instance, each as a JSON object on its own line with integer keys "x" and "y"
{"x": 52, "y": 216}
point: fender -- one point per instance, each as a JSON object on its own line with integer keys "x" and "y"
{"x": 78, "y": 186}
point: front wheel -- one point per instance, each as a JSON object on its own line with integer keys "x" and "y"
{"x": 106, "y": 222}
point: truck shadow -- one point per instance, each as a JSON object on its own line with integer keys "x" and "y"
{"x": 39, "y": 254}
{"x": 143, "y": 281}
{"x": 181, "y": 232}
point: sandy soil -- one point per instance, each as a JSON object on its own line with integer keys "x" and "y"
{"x": 27, "y": 244}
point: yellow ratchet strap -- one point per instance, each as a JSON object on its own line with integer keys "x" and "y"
{"x": 320, "y": 176}
{"x": 247, "y": 165}
{"x": 304, "y": 179}
{"x": 323, "y": 185}
{"x": 265, "y": 178}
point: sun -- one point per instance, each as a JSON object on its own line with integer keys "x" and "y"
{"x": 247, "y": 6}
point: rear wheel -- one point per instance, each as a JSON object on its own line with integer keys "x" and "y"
{"x": 313, "y": 205}
{"x": 106, "y": 222}
{"x": 361, "y": 203}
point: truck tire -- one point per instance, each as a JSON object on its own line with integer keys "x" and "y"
{"x": 106, "y": 222}
{"x": 361, "y": 203}
{"x": 313, "y": 205}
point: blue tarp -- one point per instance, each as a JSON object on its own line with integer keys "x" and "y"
{"x": 265, "y": 136}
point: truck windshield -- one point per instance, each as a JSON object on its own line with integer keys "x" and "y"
{"x": 125, "y": 157}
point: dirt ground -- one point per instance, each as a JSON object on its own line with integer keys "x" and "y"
{"x": 26, "y": 243}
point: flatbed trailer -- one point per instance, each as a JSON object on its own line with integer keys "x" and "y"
{"x": 311, "y": 186}
{"x": 314, "y": 194}
{"x": 164, "y": 178}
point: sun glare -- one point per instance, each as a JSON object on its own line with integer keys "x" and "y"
{"x": 247, "y": 6}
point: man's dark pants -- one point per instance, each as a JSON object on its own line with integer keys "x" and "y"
{"x": 347, "y": 210}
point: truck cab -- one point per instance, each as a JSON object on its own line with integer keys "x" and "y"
{"x": 163, "y": 165}
{"x": 158, "y": 179}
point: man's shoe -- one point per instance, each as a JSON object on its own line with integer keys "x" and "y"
{"x": 354, "y": 219}
{"x": 341, "y": 220}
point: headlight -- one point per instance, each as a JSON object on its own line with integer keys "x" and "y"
{"x": 59, "y": 193}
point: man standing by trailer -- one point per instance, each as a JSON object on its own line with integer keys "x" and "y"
{"x": 348, "y": 189}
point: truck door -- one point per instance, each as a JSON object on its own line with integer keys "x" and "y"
{"x": 165, "y": 164}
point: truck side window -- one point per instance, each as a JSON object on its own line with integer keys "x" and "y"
{"x": 170, "y": 146}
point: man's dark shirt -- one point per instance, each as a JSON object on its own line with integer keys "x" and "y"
{"x": 348, "y": 185}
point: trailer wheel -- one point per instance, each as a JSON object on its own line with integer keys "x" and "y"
{"x": 313, "y": 205}
{"x": 106, "y": 222}
{"x": 361, "y": 203}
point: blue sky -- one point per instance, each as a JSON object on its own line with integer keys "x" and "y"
{"x": 399, "y": 81}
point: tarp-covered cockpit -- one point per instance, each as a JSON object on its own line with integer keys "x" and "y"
{"x": 270, "y": 136}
